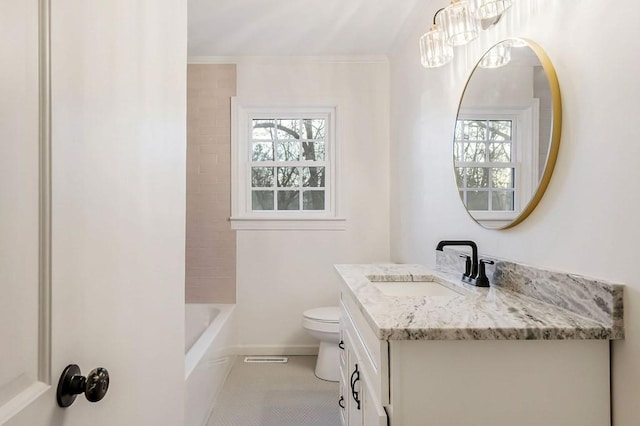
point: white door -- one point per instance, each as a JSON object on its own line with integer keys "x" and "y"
{"x": 93, "y": 275}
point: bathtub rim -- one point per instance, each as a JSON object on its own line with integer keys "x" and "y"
{"x": 199, "y": 348}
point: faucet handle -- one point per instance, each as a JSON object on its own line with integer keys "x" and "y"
{"x": 467, "y": 265}
{"x": 483, "y": 280}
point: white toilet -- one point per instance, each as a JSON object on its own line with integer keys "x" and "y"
{"x": 324, "y": 325}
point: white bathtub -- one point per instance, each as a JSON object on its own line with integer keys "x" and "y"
{"x": 209, "y": 343}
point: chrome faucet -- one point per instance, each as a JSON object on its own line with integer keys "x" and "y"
{"x": 474, "y": 272}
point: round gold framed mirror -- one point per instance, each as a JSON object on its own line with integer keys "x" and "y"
{"x": 507, "y": 133}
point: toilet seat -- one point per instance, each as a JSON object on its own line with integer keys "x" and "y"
{"x": 326, "y": 319}
{"x": 329, "y": 314}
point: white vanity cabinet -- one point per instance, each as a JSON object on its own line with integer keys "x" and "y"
{"x": 362, "y": 377}
{"x": 469, "y": 382}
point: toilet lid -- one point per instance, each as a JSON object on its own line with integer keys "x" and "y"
{"x": 326, "y": 314}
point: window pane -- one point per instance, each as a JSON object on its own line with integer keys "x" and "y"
{"x": 313, "y": 151}
{"x": 478, "y": 200}
{"x": 262, "y": 151}
{"x": 500, "y": 130}
{"x": 477, "y": 177}
{"x": 262, "y": 200}
{"x": 459, "y": 171}
{"x": 500, "y": 152}
{"x": 313, "y": 128}
{"x": 458, "y": 151}
{"x": 313, "y": 176}
{"x": 502, "y": 178}
{"x": 288, "y": 200}
{"x": 502, "y": 201}
{"x": 263, "y": 129}
{"x": 262, "y": 177}
{"x": 459, "y": 130}
{"x": 313, "y": 200}
{"x": 474, "y": 130}
{"x": 288, "y": 177}
{"x": 288, "y": 129}
{"x": 288, "y": 151}
{"x": 475, "y": 152}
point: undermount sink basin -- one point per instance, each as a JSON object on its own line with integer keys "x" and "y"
{"x": 414, "y": 288}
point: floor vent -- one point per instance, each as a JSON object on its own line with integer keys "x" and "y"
{"x": 267, "y": 359}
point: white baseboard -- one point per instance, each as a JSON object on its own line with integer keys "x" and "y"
{"x": 276, "y": 350}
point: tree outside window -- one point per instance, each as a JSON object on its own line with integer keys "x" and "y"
{"x": 288, "y": 164}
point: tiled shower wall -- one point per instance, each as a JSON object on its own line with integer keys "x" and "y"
{"x": 210, "y": 242}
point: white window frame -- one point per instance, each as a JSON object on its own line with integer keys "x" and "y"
{"x": 525, "y": 154}
{"x": 242, "y": 215}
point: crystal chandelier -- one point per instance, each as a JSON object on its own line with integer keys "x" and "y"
{"x": 434, "y": 49}
{"x": 488, "y": 9}
{"x": 456, "y": 25}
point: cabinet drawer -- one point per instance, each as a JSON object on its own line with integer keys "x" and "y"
{"x": 371, "y": 353}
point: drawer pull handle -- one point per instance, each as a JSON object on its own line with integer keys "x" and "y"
{"x": 341, "y": 402}
{"x": 341, "y": 344}
{"x": 355, "y": 376}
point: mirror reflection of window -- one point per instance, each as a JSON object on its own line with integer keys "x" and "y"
{"x": 492, "y": 161}
{"x": 507, "y": 134}
{"x": 485, "y": 173}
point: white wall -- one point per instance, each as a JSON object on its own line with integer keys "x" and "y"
{"x": 516, "y": 88}
{"x": 587, "y": 221}
{"x": 282, "y": 273}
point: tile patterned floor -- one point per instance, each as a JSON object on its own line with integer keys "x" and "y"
{"x": 288, "y": 394}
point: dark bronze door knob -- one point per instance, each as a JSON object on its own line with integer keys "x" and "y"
{"x": 72, "y": 383}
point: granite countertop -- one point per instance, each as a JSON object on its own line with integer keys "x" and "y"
{"x": 475, "y": 314}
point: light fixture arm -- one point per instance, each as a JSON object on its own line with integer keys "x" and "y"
{"x": 436, "y": 14}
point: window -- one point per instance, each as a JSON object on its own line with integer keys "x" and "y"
{"x": 492, "y": 160}
{"x": 485, "y": 163}
{"x": 284, "y": 167}
{"x": 288, "y": 166}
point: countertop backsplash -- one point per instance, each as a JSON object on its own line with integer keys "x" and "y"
{"x": 592, "y": 298}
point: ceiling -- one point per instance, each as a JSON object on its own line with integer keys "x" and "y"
{"x": 295, "y": 27}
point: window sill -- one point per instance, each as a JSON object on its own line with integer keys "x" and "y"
{"x": 492, "y": 216}
{"x": 298, "y": 224}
